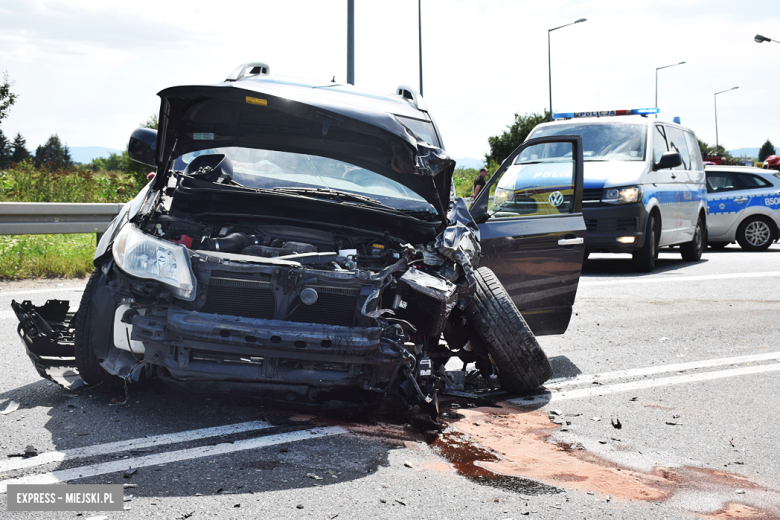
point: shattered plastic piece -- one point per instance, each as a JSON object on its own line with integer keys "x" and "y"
{"x": 663, "y": 339}
{"x": 11, "y": 408}
{"x": 595, "y": 419}
{"x": 408, "y": 464}
{"x": 130, "y": 486}
{"x": 402, "y": 503}
{"x": 672, "y": 423}
{"x": 633, "y": 399}
{"x": 299, "y": 506}
{"x": 616, "y": 423}
{"x": 556, "y": 412}
{"x": 30, "y": 451}
{"x": 740, "y": 492}
{"x": 315, "y": 477}
{"x": 130, "y": 472}
{"x": 128, "y": 498}
{"x": 609, "y": 498}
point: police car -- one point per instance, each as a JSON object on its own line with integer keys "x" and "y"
{"x": 644, "y": 183}
{"x": 744, "y": 205}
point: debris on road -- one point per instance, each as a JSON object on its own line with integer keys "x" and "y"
{"x": 663, "y": 339}
{"x": 128, "y": 498}
{"x": 597, "y": 419}
{"x": 408, "y": 464}
{"x": 740, "y": 492}
{"x": 633, "y": 399}
{"x": 402, "y": 503}
{"x": 556, "y": 412}
{"x": 130, "y": 486}
{"x": 616, "y": 423}
{"x": 673, "y": 423}
{"x": 299, "y": 506}
{"x": 315, "y": 477}
{"x": 11, "y": 408}
{"x": 130, "y": 472}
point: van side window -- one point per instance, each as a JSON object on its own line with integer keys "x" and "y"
{"x": 695, "y": 151}
{"x": 752, "y": 181}
{"x": 659, "y": 143}
{"x": 677, "y": 144}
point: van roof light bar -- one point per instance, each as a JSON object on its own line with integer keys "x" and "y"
{"x": 607, "y": 113}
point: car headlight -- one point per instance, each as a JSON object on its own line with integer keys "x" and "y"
{"x": 503, "y": 196}
{"x": 625, "y": 195}
{"x": 141, "y": 255}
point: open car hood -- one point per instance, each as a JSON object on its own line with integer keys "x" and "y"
{"x": 277, "y": 117}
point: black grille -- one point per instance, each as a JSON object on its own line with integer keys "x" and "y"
{"x": 611, "y": 224}
{"x": 333, "y": 307}
{"x": 591, "y": 195}
{"x": 248, "y": 298}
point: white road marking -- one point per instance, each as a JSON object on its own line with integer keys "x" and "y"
{"x": 678, "y": 367}
{"x": 131, "y": 444}
{"x": 585, "y": 282}
{"x": 171, "y": 456}
{"x": 638, "y": 385}
{"x": 79, "y": 288}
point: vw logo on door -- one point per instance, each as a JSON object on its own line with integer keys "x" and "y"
{"x": 556, "y": 198}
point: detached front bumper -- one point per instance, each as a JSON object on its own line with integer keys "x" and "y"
{"x": 269, "y": 359}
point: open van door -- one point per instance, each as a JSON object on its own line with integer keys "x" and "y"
{"x": 532, "y": 231}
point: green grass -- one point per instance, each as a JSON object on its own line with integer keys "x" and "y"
{"x": 39, "y": 256}
{"x": 46, "y": 256}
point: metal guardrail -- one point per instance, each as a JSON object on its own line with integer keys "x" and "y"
{"x": 41, "y": 218}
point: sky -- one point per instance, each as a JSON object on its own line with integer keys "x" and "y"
{"x": 89, "y": 71}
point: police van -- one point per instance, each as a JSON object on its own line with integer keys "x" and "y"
{"x": 644, "y": 184}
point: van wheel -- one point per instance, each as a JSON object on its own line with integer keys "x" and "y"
{"x": 87, "y": 363}
{"x": 520, "y": 362}
{"x": 691, "y": 251}
{"x": 644, "y": 259}
{"x": 755, "y": 234}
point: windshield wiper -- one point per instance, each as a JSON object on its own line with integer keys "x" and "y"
{"x": 335, "y": 195}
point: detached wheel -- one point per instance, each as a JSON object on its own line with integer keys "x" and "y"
{"x": 755, "y": 234}
{"x": 644, "y": 259}
{"x": 520, "y": 362}
{"x": 691, "y": 251}
{"x": 86, "y": 361}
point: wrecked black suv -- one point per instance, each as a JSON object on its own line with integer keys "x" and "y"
{"x": 301, "y": 243}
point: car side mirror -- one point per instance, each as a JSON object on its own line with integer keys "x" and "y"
{"x": 142, "y": 146}
{"x": 479, "y": 213}
{"x": 668, "y": 160}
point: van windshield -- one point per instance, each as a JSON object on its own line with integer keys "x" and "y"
{"x": 600, "y": 142}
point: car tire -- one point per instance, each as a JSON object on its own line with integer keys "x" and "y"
{"x": 718, "y": 246}
{"x": 520, "y": 362}
{"x": 644, "y": 259}
{"x": 87, "y": 363}
{"x": 755, "y": 234}
{"x": 691, "y": 251}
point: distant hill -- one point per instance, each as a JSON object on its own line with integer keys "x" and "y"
{"x": 468, "y": 162}
{"x": 747, "y": 152}
{"x": 85, "y": 154}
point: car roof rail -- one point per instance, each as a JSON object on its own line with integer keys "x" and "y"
{"x": 255, "y": 68}
{"x": 412, "y": 95}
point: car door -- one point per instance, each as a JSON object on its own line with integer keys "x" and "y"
{"x": 726, "y": 202}
{"x": 665, "y": 189}
{"x": 686, "y": 204}
{"x": 532, "y": 231}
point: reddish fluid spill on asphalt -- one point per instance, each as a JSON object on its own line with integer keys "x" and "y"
{"x": 464, "y": 456}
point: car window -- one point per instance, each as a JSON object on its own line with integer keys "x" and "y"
{"x": 659, "y": 143}
{"x": 752, "y": 181}
{"x": 268, "y": 169}
{"x": 602, "y": 142}
{"x": 718, "y": 182}
{"x": 424, "y": 129}
{"x": 694, "y": 151}
{"x": 677, "y": 144}
{"x": 541, "y": 184}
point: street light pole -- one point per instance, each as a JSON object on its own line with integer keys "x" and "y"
{"x": 656, "y": 80}
{"x": 549, "y": 57}
{"x": 419, "y": 25}
{"x": 717, "y": 145}
{"x": 351, "y": 42}
{"x": 762, "y": 39}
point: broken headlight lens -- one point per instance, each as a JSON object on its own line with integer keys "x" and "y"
{"x": 141, "y": 255}
{"x": 625, "y": 195}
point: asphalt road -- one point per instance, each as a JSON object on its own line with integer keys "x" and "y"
{"x": 685, "y": 360}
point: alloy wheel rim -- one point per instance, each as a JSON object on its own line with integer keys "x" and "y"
{"x": 757, "y": 233}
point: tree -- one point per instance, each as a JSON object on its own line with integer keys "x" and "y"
{"x": 503, "y": 145}
{"x": 707, "y": 150}
{"x": 7, "y": 98}
{"x": 766, "y": 150}
{"x": 20, "y": 152}
{"x": 53, "y": 155}
{"x": 5, "y": 151}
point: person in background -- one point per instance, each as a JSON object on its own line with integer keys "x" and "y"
{"x": 479, "y": 182}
